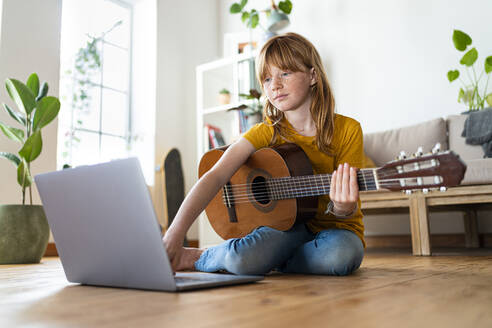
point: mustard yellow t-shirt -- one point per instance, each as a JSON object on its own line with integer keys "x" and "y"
{"x": 347, "y": 147}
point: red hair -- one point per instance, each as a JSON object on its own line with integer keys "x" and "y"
{"x": 295, "y": 53}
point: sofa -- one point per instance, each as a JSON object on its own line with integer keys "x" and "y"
{"x": 475, "y": 190}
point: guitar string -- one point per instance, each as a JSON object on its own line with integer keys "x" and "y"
{"x": 298, "y": 188}
{"x": 284, "y": 189}
{"x": 369, "y": 173}
{"x": 299, "y": 182}
{"x": 308, "y": 191}
{"x": 313, "y": 179}
{"x": 267, "y": 198}
{"x": 288, "y": 186}
{"x": 305, "y": 182}
{"x": 295, "y": 179}
{"x": 310, "y": 183}
{"x": 292, "y": 186}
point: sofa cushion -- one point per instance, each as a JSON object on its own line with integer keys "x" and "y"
{"x": 478, "y": 171}
{"x": 457, "y": 142}
{"x": 384, "y": 146}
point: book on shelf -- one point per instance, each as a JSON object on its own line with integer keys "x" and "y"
{"x": 215, "y": 137}
{"x": 243, "y": 123}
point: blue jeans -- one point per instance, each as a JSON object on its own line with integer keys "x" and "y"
{"x": 298, "y": 250}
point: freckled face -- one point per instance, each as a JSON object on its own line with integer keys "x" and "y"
{"x": 287, "y": 90}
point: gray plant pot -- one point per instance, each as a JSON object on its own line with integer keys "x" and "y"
{"x": 24, "y": 233}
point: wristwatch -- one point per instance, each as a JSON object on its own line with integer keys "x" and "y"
{"x": 330, "y": 209}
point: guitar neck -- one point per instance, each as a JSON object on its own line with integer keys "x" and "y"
{"x": 315, "y": 185}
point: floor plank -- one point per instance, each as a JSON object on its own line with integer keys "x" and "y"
{"x": 392, "y": 288}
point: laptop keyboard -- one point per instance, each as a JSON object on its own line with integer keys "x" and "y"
{"x": 194, "y": 279}
{"x": 198, "y": 279}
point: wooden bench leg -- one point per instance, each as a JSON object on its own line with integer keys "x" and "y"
{"x": 471, "y": 229}
{"x": 419, "y": 225}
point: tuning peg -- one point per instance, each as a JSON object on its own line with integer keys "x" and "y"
{"x": 408, "y": 192}
{"x": 402, "y": 155}
{"x": 419, "y": 152}
{"x": 437, "y": 148}
{"x": 443, "y": 189}
{"x": 425, "y": 190}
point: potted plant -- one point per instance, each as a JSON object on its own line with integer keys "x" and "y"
{"x": 276, "y": 18}
{"x": 472, "y": 93}
{"x": 24, "y": 231}
{"x": 253, "y": 109}
{"x": 224, "y": 96}
{"x": 276, "y": 15}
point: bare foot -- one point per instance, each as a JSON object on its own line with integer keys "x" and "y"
{"x": 188, "y": 258}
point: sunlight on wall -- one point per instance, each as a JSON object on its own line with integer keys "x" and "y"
{"x": 112, "y": 116}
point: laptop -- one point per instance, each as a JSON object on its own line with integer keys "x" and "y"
{"x": 107, "y": 233}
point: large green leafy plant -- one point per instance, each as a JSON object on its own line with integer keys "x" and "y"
{"x": 35, "y": 111}
{"x": 472, "y": 93}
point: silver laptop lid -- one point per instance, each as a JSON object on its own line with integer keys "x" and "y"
{"x": 104, "y": 226}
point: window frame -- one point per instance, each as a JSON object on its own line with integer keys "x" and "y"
{"x": 128, "y": 134}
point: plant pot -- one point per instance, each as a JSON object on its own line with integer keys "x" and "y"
{"x": 24, "y": 233}
{"x": 252, "y": 119}
{"x": 224, "y": 98}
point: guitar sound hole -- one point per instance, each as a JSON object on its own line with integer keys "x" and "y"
{"x": 260, "y": 190}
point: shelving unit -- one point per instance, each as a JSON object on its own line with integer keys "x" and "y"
{"x": 236, "y": 74}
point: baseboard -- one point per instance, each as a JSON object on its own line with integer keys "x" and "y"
{"x": 395, "y": 241}
{"x": 441, "y": 240}
{"x": 193, "y": 243}
{"x": 51, "y": 249}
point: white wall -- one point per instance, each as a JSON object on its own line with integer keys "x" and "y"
{"x": 30, "y": 42}
{"x": 187, "y": 35}
{"x": 143, "y": 79}
{"x": 387, "y": 62}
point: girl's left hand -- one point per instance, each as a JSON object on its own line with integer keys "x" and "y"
{"x": 344, "y": 190}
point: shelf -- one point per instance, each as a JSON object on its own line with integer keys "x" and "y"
{"x": 225, "y": 61}
{"x": 226, "y": 107}
{"x": 236, "y": 74}
{"x": 221, "y": 108}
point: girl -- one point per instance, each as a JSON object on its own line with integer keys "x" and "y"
{"x": 299, "y": 109}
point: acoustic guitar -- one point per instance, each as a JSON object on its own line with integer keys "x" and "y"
{"x": 276, "y": 186}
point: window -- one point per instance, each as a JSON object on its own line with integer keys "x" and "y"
{"x": 95, "y": 123}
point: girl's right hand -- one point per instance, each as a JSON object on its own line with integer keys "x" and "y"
{"x": 174, "y": 249}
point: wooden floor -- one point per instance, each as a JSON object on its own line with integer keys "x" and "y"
{"x": 391, "y": 289}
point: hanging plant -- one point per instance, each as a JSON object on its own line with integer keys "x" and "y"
{"x": 87, "y": 65}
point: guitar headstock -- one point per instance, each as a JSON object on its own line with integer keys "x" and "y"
{"x": 422, "y": 171}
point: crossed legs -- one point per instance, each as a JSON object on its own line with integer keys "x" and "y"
{"x": 330, "y": 252}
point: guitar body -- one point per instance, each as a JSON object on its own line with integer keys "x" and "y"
{"x": 251, "y": 205}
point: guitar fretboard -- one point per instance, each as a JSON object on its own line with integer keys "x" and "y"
{"x": 314, "y": 185}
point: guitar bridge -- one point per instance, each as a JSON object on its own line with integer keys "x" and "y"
{"x": 229, "y": 202}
